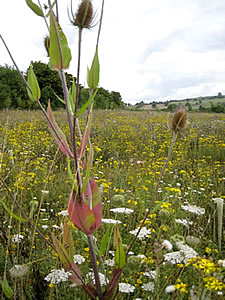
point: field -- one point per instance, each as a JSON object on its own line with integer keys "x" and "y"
{"x": 181, "y": 250}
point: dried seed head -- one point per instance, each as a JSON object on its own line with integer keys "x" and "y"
{"x": 47, "y": 44}
{"x": 84, "y": 14}
{"x": 179, "y": 119}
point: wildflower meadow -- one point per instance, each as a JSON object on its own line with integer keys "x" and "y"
{"x": 108, "y": 204}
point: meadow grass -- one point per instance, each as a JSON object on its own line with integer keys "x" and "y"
{"x": 130, "y": 149}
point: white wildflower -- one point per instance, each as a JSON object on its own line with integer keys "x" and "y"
{"x": 122, "y": 210}
{"x": 174, "y": 257}
{"x": 56, "y": 226}
{"x": 102, "y": 278}
{"x": 44, "y": 192}
{"x": 184, "y": 222}
{"x": 221, "y": 262}
{"x": 17, "y": 238}
{"x": 111, "y": 221}
{"x": 194, "y": 209}
{"x": 187, "y": 251}
{"x": 109, "y": 262}
{"x": 148, "y": 286}
{"x": 126, "y": 287}
{"x": 151, "y": 274}
{"x": 167, "y": 245}
{"x": 63, "y": 213}
{"x": 57, "y": 276}
{"x": 44, "y": 226}
{"x": 78, "y": 259}
{"x": 144, "y": 232}
{"x": 170, "y": 289}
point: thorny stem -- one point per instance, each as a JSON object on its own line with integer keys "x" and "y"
{"x": 155, "y": 191}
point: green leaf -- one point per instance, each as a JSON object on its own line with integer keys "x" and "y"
{"x": 68, "y": 239}
{"x": 93, "y": 73}
{"x": 63, "y": 254}
{"x": 49, "y": 12}
{"x": 73, "y": 179}
{"x": 105, "y": 241}
{"x": 120, "y": 257}
{"x": 12, "y": 214}
{"x": 60, "y": 99}
{"x": 71, "y": 98}
{"x": 35, "y": 8}
{"x": 86, "y": 104}
{"x": 7, "y": 290}
{"x": 59, "y": 51}
{"x": 35, "y": 92}
{"x": 87, "y": 175}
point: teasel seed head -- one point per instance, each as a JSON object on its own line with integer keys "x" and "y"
{"x": 84, "y": 15}
{"x": 47, "y": 44}
{"x": 179, "y": 119}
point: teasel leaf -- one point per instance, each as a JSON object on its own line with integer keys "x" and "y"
{"x": 93, "y": 73}
{"x": 59, "y": 51}
{"x": 34, "y": 92}
{"x": 35, "y": 8}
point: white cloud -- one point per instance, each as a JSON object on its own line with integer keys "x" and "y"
{"x": 149, "y": 50}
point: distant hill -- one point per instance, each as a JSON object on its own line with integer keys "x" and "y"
{"x": 208, "y": 103}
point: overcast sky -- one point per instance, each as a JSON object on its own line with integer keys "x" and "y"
{"x": 149, "y": 49}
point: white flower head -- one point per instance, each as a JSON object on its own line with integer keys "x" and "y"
{"x": 126, "y": 287}
{"x": 122, "y": 210}
{"x": 57, "y": 276}
{"x": 144, "y": 232}
{"x": 194, "y": 209}
{"x": 17, "y": 238}
{"x": 170, "y": 289}
{"x": 111, "y": 221}
{"x": 102, "y": 278}
{"x": 63, "y": 213}
{"x": 78, "y": 259}
{"x": 167, "y": 245}
{"x": 148, "y": 286}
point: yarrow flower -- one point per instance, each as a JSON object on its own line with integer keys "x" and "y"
{"x": 126, "y": 288}
{"x": 122, "y": 210}
{"x": 57, "y": 276}
{"x": 144, "y": 232}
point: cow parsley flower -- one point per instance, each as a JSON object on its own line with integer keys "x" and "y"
{"x": 167, "y": 245}
{"x": 170, "y": 289}
{"x": 102, "y": 278}
{"x": 63, "y": 213}
{"x": 184, "y": 222}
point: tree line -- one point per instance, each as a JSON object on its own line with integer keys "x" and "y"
{"x": 13, "y": 93}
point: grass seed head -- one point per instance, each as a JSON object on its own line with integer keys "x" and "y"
{"x": 179, "y": 119}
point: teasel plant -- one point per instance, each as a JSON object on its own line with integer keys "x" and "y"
{"x": 84, "y": 201}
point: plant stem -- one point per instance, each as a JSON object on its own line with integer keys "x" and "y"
{"x": 155, "y": 192}
{"x": 94, "y": 265}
